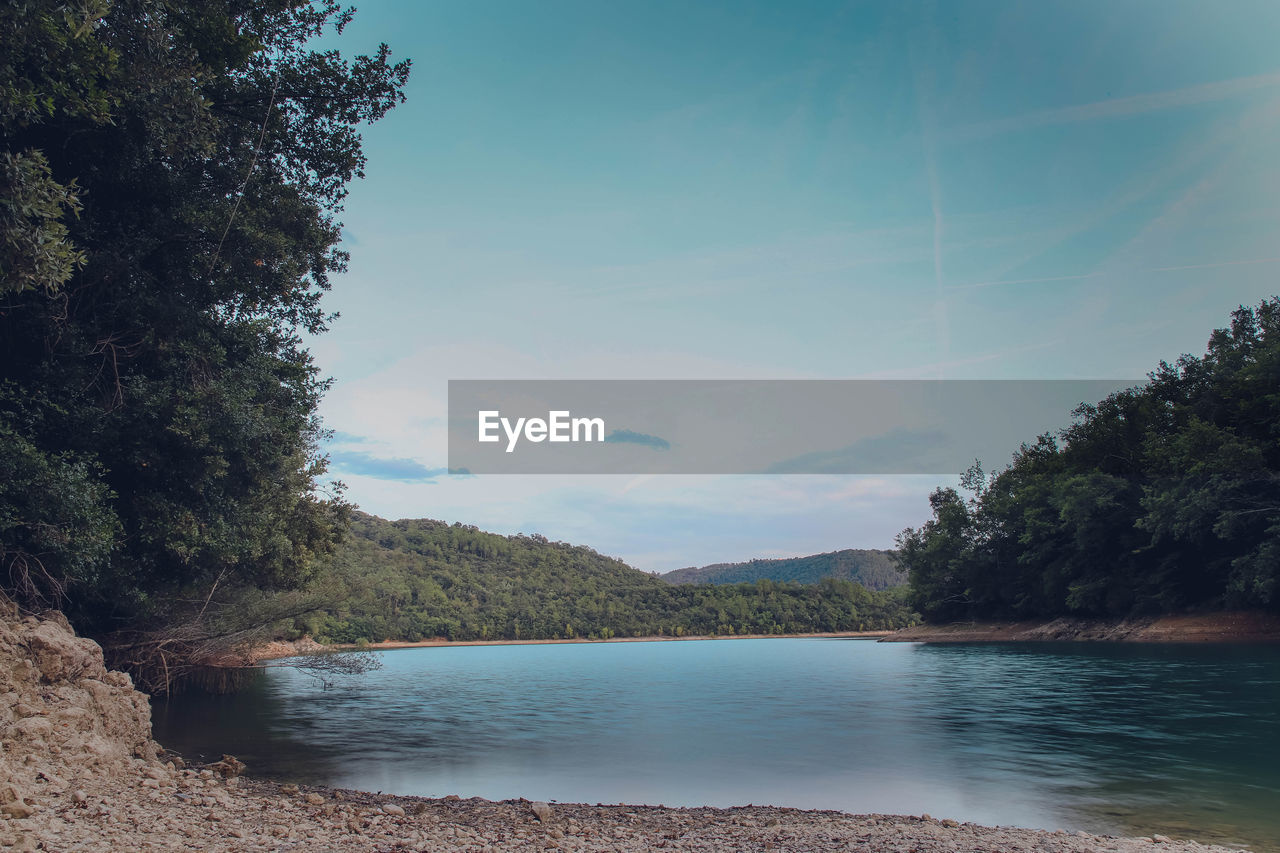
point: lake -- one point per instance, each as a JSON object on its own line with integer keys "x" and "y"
{"x": 1110, "y": 738}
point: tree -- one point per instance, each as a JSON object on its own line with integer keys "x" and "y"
{"x": 172, "y": 171}
{"x": 1158, "y": 498}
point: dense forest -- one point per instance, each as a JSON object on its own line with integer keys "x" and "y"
{"x": 870, "y": 568}
{"x": 170, "y": 174}
{"x": 415, "y": 579}
{"x": 1159, "y": 498}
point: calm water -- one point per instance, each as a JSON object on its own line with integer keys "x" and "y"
{"x": 1183, "y": 740}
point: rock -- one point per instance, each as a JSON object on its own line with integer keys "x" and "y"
{"x": 1162, "y": 839}
{"x": 288, "y": 788}
{"x": 314, "y": 799}
{"x": 541, "y": 811}
{"x": 392, "y": 809}
{"x": 17, "y": 810}
{"x": 59, "y": 654}
{"x": 24, "y": 844}
{"x": 949, "y": 823}
{"x": 229, "y": 767}
{"x": 79, "y": 797}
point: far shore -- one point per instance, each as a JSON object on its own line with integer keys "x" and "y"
{"x": 284, "y": 649}
{"x": 1240, "y": 626}
{"x": 1244, "y": 626}
{"x": 1247, "y": 626}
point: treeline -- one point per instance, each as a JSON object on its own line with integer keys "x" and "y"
{"x": 1158, "y": 498}
{"x": 417, "y": 579}
{"x": 870, "y": 568}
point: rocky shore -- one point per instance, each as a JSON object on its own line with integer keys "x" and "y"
{"x": 80, "y": 772}
{"x": 181, "y": 810}
{"x": 1248, "y": 626}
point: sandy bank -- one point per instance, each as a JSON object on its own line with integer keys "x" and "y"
{"x": 1225, "y": 627}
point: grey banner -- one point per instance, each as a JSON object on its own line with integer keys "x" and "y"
{"x": 753, "y": 426}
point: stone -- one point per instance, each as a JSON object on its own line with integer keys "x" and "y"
{"x": 314, "y": 799}
{"x": 541, "y": 811}
{"x": 392, "y": 809}
{"x": 17, "y": 810}
{"x": 59, "y": 654}
{"x": 228, "y": 767}
{"x": 24, "y": 844}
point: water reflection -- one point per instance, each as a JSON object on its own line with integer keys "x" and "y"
{"x": 1111, "y": 738}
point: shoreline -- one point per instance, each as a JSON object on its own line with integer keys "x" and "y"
{"x": 1240, "y": 626}
{"x": 284, "y": 648}
{"x": 154, "y": 806}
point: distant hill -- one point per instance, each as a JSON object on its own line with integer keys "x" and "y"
{"x": 418, "y": 578}
{"x": 873, "y": 569}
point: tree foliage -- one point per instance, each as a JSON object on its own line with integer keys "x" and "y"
{"x": 1158, "y": 498}
{"x": 870, "y": 568}
{"x": 171, "y": 172}
{"x": 416, "y": 579}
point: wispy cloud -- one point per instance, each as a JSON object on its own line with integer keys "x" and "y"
{"x": 1208, "y": 147}
{"x": 908, "y": 449}
{"x": 398, "y": 470}
{"x": 1117, "y": 107}
{"x": 340, "y": 437}
{"x": 626, "y": 436}
{"x": 1049, "y": 279}
{"x": 925, "y": 111}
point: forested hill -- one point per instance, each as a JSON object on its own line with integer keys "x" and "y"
{"x": 416, "y": 579}
{"x": 873, "y": 569}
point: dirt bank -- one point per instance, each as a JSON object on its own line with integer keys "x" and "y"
{"x": 1225, "y": 627}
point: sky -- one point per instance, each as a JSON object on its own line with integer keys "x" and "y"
{"x": 764, "y": 190}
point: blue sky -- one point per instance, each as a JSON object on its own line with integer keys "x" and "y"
{"x": 783, "y": 190}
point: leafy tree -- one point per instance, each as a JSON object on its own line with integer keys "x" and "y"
{"x": 171, "y": 172}
{"x": 1158, "y": 498}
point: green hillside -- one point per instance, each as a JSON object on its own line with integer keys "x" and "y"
{"x": 873, "y": 569}
{"x": 416, "y": 579}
